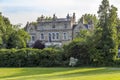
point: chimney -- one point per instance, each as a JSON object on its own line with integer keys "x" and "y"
{"x": 68, "y": 16}
{"x": 74, "y": 17}
{"x": 82, "y": 21}
{"x": 54, "y": 17}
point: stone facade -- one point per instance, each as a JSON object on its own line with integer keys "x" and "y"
{"x": 54, "y": 31}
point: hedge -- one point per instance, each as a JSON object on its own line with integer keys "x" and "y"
{"x": 30, "y": 57}
{"x": 47, "y": 57}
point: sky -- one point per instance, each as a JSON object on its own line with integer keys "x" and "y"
{"x": 21, "y": 11}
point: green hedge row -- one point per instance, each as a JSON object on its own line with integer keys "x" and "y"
{"x": 30, "y": 58}
{"x": 47, "y": 57}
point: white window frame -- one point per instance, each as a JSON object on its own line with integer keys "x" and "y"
{"x": 53, "y": 35}
{"x": 42, "y": 36}
{"x": 49, "y": 36}
{"x": 65, "y": 36}
{"x": 32, "y": 38}
{"x": 57, "y": 35}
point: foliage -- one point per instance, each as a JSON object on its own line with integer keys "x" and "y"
{"x": 79, "y": 48}
{"x": 89, "y": 19}
{"x": 30, "y": 57}
{"x": 106, "y": 39}
{"x": 11, "y": 36}
{"x": 17, "y": 39}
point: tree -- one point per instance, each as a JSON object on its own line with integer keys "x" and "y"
{"x": 118, "y": 31}
{"x": 11, "y": 36}
{"x": 89, "y": 19}
{"x": 106, "y": 34}
{"x": 80, "y": 48}
{"x": 5, "y": 30}
{"x": 112, "y": 25}
{"x": 18, "y": 39}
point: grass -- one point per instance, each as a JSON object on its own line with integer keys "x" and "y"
{"x": 59, "y": 73}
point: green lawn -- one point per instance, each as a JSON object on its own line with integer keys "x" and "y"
{"x": 59, "y": 73}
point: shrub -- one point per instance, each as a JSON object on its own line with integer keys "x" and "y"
{"x": 78, "y": 49}
{"x": 39, "y": 45}
{"x": 30, "y": 58}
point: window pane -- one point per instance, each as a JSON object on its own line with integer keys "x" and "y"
{"x": 42, "y": 36}
{"x": 49, "y": 37}
{"x": 53, "y": 35}
{"x": 33, "y": 38}
{"x": 57, "y": 35}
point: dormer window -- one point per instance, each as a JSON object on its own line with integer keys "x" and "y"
{"x": 53, "y": 26}
{"x": 41, "y": 36}
{"x": 31, "y": 29}
{"x": 65, "y": 26}
{"x": 32, "y": 38}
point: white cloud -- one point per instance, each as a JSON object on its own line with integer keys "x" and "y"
{"x": 21, "y": 11}
{"x": 38, "y": 3}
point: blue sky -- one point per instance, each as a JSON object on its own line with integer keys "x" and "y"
{"x": 21, "y": 11}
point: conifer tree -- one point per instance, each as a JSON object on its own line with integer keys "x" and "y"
{"x": 107, "y": 43}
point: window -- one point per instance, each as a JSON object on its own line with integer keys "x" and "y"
{"x": 77, "y": 33}
{"x": 49, "y": 37}
{"x": 65, "y": 26}
{"x": 64, "y": 35}
{"x": 42, "y": 36}
{"x": 53, "y": 36}
{"x": 31, "y": 29}
{"x": 32, "y": 38}
{"x": 57, "y": 35}
{"x": 53, "y": 26}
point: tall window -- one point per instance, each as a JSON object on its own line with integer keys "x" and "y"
{"x": 65, "y": 25}
{"x": 32, "y": 38}
{"x": 53, "y": 26}
{"x": 42, "y": 36}
{"x": 57, "y": 35}
{"x": 53, "y": 36}
{"x": 64, "y": 35}
{"x": 49, "y": 37}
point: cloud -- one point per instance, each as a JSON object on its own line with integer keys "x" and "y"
{"x": 21, "y": 11}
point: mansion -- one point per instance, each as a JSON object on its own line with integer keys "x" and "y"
{"x": 55, "y": 31}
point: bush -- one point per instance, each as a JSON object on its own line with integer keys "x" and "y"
{"x": 39, "y": 45}
{"x": 30, "y": 58}
{"x": 80, "y": 50}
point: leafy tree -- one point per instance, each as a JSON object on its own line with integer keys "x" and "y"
{"x": 11, "y": 36}
{"x": 106, "y": 34}
{"x": 18, "y": 39}
{"x": 80, "y": 48}
{"x": 112, "y": 25}
{"x": 5, "y": 30}
{"x": 89, "y": 19}
{"x": 118, "y": 31}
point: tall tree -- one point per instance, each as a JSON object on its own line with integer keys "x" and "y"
{"x": 106, "y": 33}
{"x": 112, "y": 25}
{"x": 11, "y": 36}
{"x": 18, "y": 39}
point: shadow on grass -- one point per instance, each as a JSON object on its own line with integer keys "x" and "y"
{"x": 34, "y": 71}
{"x": 61, "y": 72}
{"x": 86, "y": 72}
